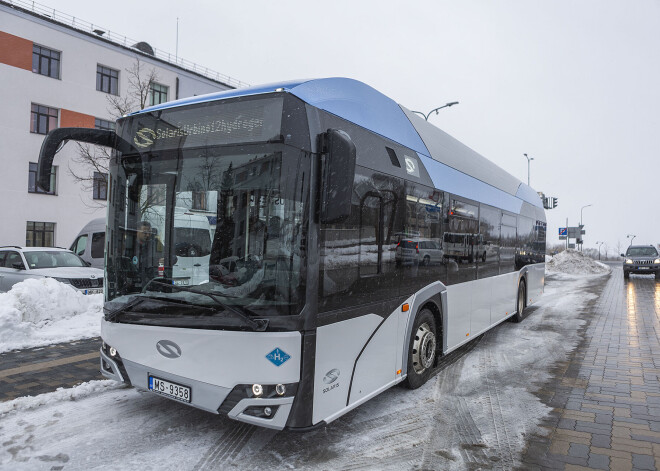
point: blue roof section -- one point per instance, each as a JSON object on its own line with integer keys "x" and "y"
{"x": 527, "y": 193}
{"x": 362, "y": 105}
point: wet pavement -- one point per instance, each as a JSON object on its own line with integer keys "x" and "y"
{"x": 44, "y": 369}
{"x": 606, "y": 397}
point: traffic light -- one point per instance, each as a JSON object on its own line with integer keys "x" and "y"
{"x": 546, "y": 202}
{"x": 554, "y": 202}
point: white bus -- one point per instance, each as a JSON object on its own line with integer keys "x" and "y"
{"x": 305, "y": 313}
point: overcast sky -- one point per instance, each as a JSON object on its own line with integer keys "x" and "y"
{"x": 574, "y": 84}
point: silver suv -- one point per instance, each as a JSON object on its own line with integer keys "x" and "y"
{"x": 641, "y": 260}
{"x": 20, "y": 263}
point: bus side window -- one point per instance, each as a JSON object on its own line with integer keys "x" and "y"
{"x": 508, "y": 243}
{"x": 464, "y": 228}
{"x": 371, "y": 235}
{"x": 489, "y": 232}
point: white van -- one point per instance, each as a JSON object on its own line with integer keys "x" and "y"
{"x": 192, "y": 243}
{"x": 90, "y": 243}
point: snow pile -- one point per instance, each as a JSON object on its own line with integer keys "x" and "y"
{"x": 573, "y": 262}
{"x": 43, "y": 311}
{"x": 81, "y": 391}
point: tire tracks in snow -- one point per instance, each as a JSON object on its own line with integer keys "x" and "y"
{"x": 226, "y": 448}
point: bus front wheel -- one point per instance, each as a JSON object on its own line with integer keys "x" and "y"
{"x": 520, "y": 302}
{"x": 421, "y": 349}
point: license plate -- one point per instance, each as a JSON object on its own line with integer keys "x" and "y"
{"x": 642, "y": 268}
{"x": 181, "y": 281}
{"x": 169, "y": 389}
{"x": 94, "y": 291}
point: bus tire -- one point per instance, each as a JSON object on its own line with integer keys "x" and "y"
{"x": 422, "y": 349}
{"x": 521, "y": 302}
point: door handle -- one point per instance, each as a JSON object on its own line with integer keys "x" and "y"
{"x": 197, "y": 265}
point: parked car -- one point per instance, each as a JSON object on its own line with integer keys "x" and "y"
{"x": 641, "y": 260}
{"x": 90, "y": 242}
{"x": 21, "y": 263}
{"x": 418, "y": 251}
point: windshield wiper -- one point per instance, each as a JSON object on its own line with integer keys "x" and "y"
{"x": 112, "y": 315}
{"x": 258, "y": 325}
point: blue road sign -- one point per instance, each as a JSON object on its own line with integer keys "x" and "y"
{"x": 563, "y": 231}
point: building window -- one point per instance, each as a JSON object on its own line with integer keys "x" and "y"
{"x": 107, "y": 80}
{"x": 104, "y": 124}
{"x": 32, "y": 181}
{"x": 45, "y": 61}
{"x": 157, "y": 94}
{"x": 199, "y": 201}
{"x": 40, "y": 234}
{"x": 100, "y": 186}
{"x": 44, "y": 119}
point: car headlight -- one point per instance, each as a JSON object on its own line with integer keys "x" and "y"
{"x": 657, "y": 260}
{"x": 66, "y": 281}
{"x": 628, "y": 260}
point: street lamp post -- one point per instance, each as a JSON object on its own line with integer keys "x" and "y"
{"x": 426, "y": 116}
{"x": 599, "y": 244}
{"x": 631, "y": 240}
{"x": 529, "y": 159}
{"x": 585, "y": 206}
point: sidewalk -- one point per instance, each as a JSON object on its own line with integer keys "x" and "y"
{"x": 44, "y": 369}
{"x": 606, "y": 398}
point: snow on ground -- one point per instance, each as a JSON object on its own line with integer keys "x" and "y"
{"x": 43, "y": 311}
{"x": 572, "y": 262}
{"x": 475, "y": 413}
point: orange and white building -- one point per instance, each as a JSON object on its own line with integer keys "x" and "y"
{"x": 59, "y": 71}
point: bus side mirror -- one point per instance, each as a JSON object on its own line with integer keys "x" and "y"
{"x": 338, "y": 176}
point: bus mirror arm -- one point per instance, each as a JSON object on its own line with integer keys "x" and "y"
{"x": 55, "y": 138}
{"x": 338, "y": 175}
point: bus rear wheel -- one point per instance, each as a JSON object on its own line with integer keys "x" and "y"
{"x": 421, "y": 349}
{"x": 520, "y": 302}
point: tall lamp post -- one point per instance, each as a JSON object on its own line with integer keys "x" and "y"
{"x": 599, "y": 244}
{"x": 426, "y": 116}
{"x": 529, "y": 159}
{"x": 585, "y": 206}
{"x": 631, "y": 240}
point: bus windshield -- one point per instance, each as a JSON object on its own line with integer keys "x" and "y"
{"x": 206, "y": 225}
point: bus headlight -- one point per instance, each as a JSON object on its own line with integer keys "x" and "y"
{"x": 257, "y": 390}
{"x": 280, "y": 389}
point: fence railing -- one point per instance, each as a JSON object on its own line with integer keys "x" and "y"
{"x": 122, "y": 40}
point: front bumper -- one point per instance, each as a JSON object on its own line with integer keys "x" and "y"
{"x": 208, "y": 397}
{"x": 641, "y": 269}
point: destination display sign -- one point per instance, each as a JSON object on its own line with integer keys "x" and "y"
{"x": 207, "y": 124}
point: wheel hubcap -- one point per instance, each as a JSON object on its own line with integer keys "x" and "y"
{"x": 423, "y": 348}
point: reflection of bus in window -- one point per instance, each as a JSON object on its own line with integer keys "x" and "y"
{"x": 336, "y": 245}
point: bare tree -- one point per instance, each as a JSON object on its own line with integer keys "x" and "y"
{"x": 618, "y": 248}
{"x": 93, "y": 160}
